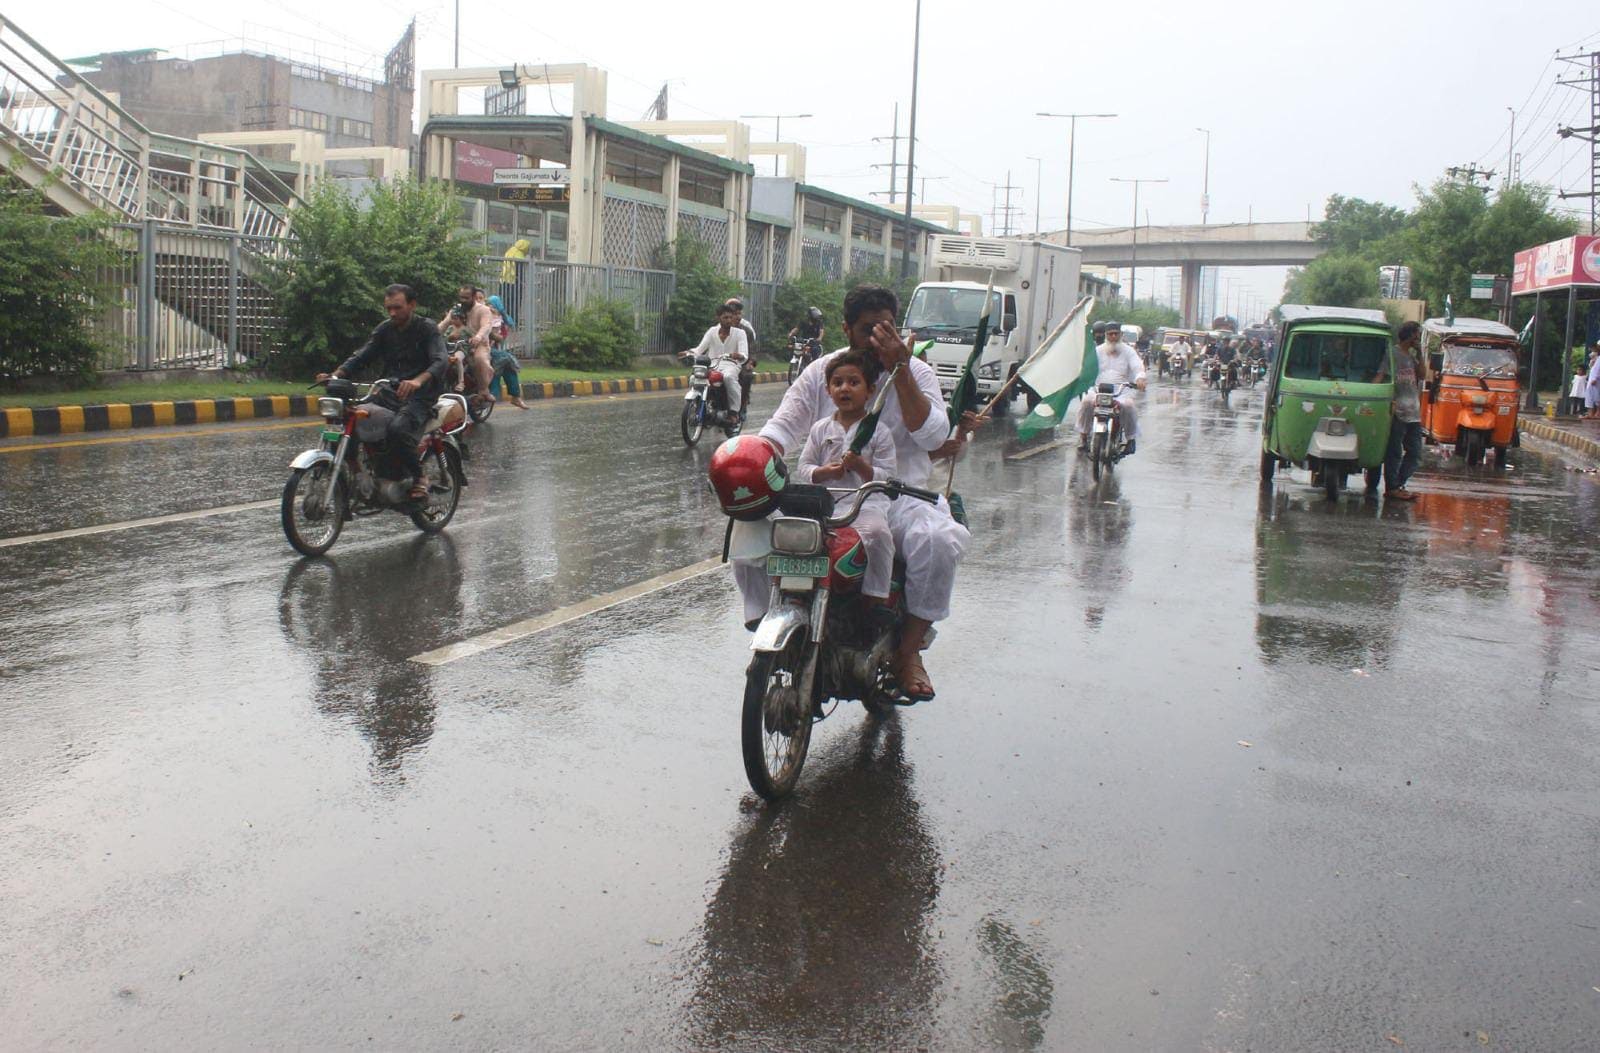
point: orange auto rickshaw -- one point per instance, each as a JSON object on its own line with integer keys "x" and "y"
{"x": 1471, "y": 398}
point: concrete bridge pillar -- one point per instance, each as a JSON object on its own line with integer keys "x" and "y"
{"x": 1191, "y": 296}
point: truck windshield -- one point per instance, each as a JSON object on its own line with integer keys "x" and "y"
{"x": 945, "y": 309}
{"x": 1479, "y": 360}
{"x": 1354, "y": 358}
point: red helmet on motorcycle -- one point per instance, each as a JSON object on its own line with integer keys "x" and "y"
{"x": 748, "y": 475}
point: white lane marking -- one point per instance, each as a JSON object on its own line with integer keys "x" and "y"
{"x": 134, "y": 524}
{"x": 488, "y": 641}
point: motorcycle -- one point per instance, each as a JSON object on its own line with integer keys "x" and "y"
{"x": 820, "y": 640}
{"x": 1107, "y": 443}
{"x": 342, "y": 477}
{"x": 1228, "y": 379}
{"x": 479, "y": 407}
{"x": 801, "y": 354}
{"x": 706, "y": 403}
{"x": 1179, "y": 368}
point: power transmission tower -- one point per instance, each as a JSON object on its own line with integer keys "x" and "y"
{"x": 894, "y": 164}
{"x": 1590, "y": 64}
{"x": 1001, "y": 216}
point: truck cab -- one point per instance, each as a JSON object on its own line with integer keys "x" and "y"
{"x": 1035, "y": 285}
{"x": 948, "y": 313}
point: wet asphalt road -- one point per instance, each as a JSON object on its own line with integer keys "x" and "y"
{"x": 233, "y": 814}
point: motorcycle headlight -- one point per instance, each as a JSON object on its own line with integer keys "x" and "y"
{"x": 1104, "y": 399}
{"x": 700, "y": 372}
{"x": 989, "y": 371}
{"x": 332, "y": 409}
{"x": 1338, "y": 426}
{"x": 796, "y": 537}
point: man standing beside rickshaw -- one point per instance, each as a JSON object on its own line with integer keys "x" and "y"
{"x": 1405, "y": 434}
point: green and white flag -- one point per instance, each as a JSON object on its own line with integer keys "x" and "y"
{"x": 1064, "y": 367}
{"x": 1525, "y": 338}
{"x": 965, "y": 394}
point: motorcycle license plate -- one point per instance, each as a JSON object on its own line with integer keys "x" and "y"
{"x": 797, "y": 566}
{"x": 332, "y": 436}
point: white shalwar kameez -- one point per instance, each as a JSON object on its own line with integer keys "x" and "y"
{"x": 925, "y": 536}
{"x": 827, "y": 444}
{"x": 1119, "y": 364}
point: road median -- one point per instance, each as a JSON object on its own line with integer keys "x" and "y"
{"x": 20, "y": 422}
{"x": 1574, "y": 438}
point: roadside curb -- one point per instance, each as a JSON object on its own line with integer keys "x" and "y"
{"x": 1550, "y": 433}
{"x": 20, "y": 422}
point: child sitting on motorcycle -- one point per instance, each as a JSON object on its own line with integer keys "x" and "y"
{"x": 827, "y": 459}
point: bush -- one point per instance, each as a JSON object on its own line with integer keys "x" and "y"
{"x": 601, "y": 335}
{"x": 53, "y": 284}
{"x": 346, "y": 249}
{"x": 701, "y": 287}
{"x": 810, "y": 289}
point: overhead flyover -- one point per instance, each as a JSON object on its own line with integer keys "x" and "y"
{"x": 1190, "y": 247}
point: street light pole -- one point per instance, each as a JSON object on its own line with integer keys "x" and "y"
{"x": 1072, "y": 154}
{"x": 1510, "y": 147}
{"x": 777, "y": 129}
{"x": 1133, "y": 267}
{"x": 911, "y": 144}
{"x": 1038, "y": 184}
{"x": 1205, "y": 189}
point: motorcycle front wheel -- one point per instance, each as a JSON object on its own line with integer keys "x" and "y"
{"x": 444, "y": 494}
{"x": 1097, "y": 454}
{"x": 693, "y": 423}
{"x": 310, "y": 521}
{"x": 480, "y": 408}
{"x": 775, "y": 726}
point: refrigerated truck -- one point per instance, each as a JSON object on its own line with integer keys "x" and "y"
{"x": 1035, "y": 285}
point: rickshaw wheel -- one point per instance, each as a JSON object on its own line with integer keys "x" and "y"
{"x": 1332, "y": 483}
{"x": 1269, "y": 464}
{"x": 1500, "y": 456}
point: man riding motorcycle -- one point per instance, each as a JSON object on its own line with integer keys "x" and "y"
{"x": 747, "y": 372}
{"x": 812, "y": 331}
{"x": 413, "y": 356}
{"x": 471, "y": 319}
{"x": 726, "y": 346}
{"x": 1119, "y": 364}
{"x": 925, "y": 536}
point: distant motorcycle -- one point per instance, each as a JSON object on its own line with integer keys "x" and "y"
{"x": 801, "y": 354}
{"x": 1179, "y": 368}
{"x": 705, "y": 404}
{"x": 820, "y": 640}
{"x": 1228, "y": 379}
{"x": 1108, "y": 444}
{"x": 343, "y": 477}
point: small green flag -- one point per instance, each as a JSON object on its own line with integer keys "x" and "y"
{"x": 1449, "y": 310}
{"x": 964, "y": 396}
{"x": 869, "y": 423}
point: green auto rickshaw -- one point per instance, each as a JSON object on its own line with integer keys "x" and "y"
{"x": 1331, "y": 396}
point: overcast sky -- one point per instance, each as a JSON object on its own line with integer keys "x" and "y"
{"x": 1303, "y": 101}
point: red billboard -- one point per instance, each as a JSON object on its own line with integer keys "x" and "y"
{"x": 1557, "y": 265}
{"x": 476, "y": 164}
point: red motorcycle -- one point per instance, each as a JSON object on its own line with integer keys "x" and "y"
{"x": 820, "y": 641}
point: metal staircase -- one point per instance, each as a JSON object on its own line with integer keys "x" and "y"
{"x": 210, "y": 216}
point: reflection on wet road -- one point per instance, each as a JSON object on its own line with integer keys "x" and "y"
{"x": 1209, "y": 769}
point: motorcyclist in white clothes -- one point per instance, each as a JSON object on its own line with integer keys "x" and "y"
{"x": 1119, "y": 364}
{"x": 728, "y": 348}
{"x": 925, "y": 536}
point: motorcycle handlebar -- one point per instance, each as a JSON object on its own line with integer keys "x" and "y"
{"x": 893, "y": 487}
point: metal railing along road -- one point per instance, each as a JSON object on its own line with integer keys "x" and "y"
{"x": 540, "y": 295}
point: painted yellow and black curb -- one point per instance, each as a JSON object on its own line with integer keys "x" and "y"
{"x": 1584, "y": 444}
{"x": 17, "y": 422}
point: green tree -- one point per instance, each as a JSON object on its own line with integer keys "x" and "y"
{"x": 54, "y": 283}
{"x": 346, "y": 249}
{"x": 1352, "y": 225}
{"x": 1339, "y": 279}
{"x": 1457, "y": 230}
{"x": 701, "y": 285}
{"x": 1147, "y": 314}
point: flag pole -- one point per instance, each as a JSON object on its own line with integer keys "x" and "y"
{"x": 1016, "y": 375}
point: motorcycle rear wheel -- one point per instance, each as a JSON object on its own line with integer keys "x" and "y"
{"x": 312, "y": 535}
{"x": 693, "y": 423}
{"x": 441, "y": 506}
{"x": 774, "y": 738}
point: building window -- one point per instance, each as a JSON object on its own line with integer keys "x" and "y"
{"x": 824, "y": 217}
{"x": 636, "y": 168}
{"x": 865, "y": 228}
{"x": 353, "y": 129}
{"x": 700, "y": 187}
{"x": 310, "y": 120}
